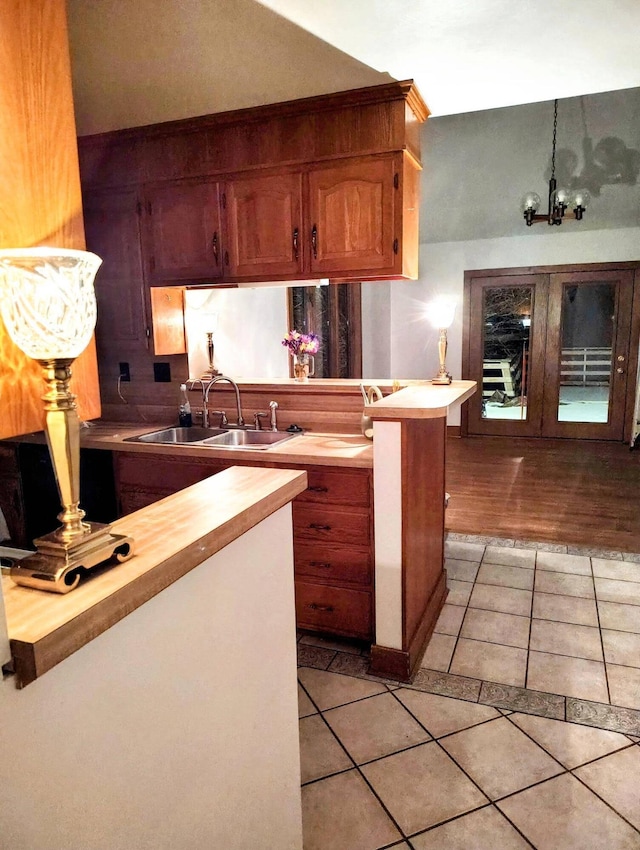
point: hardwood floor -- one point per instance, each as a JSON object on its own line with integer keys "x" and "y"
{"x": 577, "y": 492}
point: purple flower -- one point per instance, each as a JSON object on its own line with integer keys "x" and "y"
{"x": 298, "y": 343}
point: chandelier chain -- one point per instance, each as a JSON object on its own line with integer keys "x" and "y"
{"x": 555, "y": 130}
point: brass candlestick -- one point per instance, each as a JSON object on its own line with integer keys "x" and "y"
{"x": 211, "y": 371}
{"x": 443, "y": 377}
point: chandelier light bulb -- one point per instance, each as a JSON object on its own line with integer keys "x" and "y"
{"x": 530, "y": 201}
{"x": 581, "y": 198}
{"x": 562, "y": 196}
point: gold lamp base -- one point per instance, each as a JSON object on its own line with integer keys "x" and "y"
{"x": 59, "y": 564}
{"x": 442, "y": 380}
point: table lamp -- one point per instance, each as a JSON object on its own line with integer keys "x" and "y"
{"x": 441, "y": 312}
{"x": 48, "y": 306}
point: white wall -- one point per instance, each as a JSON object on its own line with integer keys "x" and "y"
{"x": 176, "y": 729}
{"x": 250, "y": 326}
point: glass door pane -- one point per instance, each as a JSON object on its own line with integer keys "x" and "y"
{"x": 586, "y": 353}
{"x": 588, "y": 315}
{"x": 506, "y": 318}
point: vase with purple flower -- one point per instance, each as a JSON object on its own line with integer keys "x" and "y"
{"x": 302, "y": 347}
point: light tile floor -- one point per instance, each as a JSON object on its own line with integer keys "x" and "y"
{"x": 548, "y": 621}
{"x": 446, "y": 763}
{"x": 388, "y": 766}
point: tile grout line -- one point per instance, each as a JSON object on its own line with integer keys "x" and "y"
{"x": 604, "y": 660}
{"x": 606, "y": 802}
{"x": 466, "y": 608}
{"x": 533, "y": 590}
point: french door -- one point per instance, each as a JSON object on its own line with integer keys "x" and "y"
{"x": 550, "y": 353}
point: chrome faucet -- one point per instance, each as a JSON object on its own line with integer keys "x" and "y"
{"x": 240, "y": 419}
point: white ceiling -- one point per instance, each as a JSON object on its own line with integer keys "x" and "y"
{"x": 467, "y": 55}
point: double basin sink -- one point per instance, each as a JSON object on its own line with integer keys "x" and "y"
{"x": 215, "y": 437}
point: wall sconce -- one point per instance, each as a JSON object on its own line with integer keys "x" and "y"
{"x": 48, "y": 306}
{"x": 211, "y": 322}
{"x": 441, "y": 312}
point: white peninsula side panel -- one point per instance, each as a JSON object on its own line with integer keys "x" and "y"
{"x": 175, "y": 728}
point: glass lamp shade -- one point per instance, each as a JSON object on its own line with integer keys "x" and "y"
{"x": 441, "y": 312}
{"x": 581, "y": 198}
{"x": 48, "y": 302}
{"x": 530, "y": 201}
{"x": 563, "y": 196}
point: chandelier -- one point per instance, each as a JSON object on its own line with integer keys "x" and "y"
{"x": 559, "y": 199}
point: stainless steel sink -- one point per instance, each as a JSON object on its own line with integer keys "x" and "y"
{"x": 214, "y": 438}
{"x": 248, "y": 439}
{"x": 175, "y": 436}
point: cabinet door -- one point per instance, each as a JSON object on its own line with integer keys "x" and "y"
{"x": 112, "y": 229}
{"x": 352, "y": 218}
{"x": 182, "y": 237}
{"x": 263, "y": 226}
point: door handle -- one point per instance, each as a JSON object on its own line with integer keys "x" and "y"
{"x": 295, "y": 243}
{"x": 215, "y": 246}
{"x": 314, "y": 241}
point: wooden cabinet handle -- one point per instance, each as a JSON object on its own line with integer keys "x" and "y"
{"x": 215, "y": 246}
{"x": 323, "y": 564}
{"x": 314, "y": 241}
{"x": 319, "y": 489}
{"x": 295, "y": 242}
{"x": 226, "y": 258}
{"x": 315, "y": 607}
{"x": 318, "y": 527}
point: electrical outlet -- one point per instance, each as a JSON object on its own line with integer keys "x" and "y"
{"x": 125, "y": 375}
{"x": 162, "y": 373}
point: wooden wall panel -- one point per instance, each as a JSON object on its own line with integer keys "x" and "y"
{"x": 40, "y": 201}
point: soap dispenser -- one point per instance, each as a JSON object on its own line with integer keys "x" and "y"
{"x": 184, "y": 411}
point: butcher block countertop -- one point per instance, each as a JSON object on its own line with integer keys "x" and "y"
{"x": 307, "y": 449}
{"x": 45, "y": 628}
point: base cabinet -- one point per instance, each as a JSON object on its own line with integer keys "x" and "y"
{"x": 332, "y": 534}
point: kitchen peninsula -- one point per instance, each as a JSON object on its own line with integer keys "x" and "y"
{"x": 141, "y": 720}
{"x": 379, "y": 587}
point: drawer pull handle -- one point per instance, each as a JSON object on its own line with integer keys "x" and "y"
{"x": 318, "y": 527}
{"x": 315, "y": 607}
{"x": 323, "y": 564}
{"x": 319, "y": 489}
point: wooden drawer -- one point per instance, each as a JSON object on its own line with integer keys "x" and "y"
{"x": 133, "y": 499}
{"x": 332, "y": 563}
{"x": 152, "y": 471}
{"x": 331, "y": 525}
{"x": 336, "y": 610}
{"x": 337, "y": 487}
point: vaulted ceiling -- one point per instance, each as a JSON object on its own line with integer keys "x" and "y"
{"x": 139, "y": 61}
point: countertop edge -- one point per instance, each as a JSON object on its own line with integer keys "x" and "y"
{"x": 424, "y": 401}
{"x": 138, "y": 581}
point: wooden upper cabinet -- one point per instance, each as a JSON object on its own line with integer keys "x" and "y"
{"x": 263, "y": 226}
{"x": 351, "y": 217}
{"x": 182, "y": 234}
{"x": 112, "y": 227}
{"x": 326, "y": 186}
